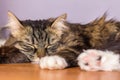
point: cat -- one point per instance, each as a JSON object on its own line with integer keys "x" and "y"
{"x": 50, "y": 43}
{"x": 56, "y": 43}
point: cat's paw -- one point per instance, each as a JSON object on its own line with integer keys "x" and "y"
{"x": 90, "y": 60}
{"x": 53, "y": 62}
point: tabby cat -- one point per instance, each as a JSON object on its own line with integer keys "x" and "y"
{"x": 52, "y": 41}
{"x": 55, "y": 43}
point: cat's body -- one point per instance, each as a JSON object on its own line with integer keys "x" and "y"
{"x": 105, "y": 37}
{"x": 58, "y": 43}
{"x": 106, "y": 57}
{"x": 10, "y": 54}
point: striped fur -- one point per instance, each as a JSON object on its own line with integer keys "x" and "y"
{"x": 46, "y": 38}
{"x": 55, "y": 36}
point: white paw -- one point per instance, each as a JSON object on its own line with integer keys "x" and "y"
{"x": 89, "y": 60}
{"x": 53, "y": 62}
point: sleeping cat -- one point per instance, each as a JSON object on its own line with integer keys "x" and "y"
{"x": 51, "y": 40}
{"x": 55, "y": 43}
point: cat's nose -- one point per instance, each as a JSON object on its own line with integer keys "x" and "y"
{"x": 41, "y": 52}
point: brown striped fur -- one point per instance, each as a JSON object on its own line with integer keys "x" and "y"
{"x": 56, "y": 36}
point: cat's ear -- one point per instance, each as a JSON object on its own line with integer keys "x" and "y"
{"x": 58, "y": 25}
{"x": 14, "y": 24}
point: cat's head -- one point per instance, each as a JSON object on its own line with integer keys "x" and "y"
{"x": 37, "y": 33}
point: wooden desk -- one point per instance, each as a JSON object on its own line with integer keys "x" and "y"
{"x": 33, "y": 72}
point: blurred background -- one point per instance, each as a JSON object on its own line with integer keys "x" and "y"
{"x": 79, "y": 11}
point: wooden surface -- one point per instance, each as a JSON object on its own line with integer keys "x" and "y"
{"x": 33, "y": 72}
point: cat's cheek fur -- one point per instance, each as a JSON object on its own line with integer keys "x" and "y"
{"x": 53, "y": 62}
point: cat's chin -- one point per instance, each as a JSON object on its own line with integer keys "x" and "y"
{"x": 52, "y": 62}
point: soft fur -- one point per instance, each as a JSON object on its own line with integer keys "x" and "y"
{"x": 93, "y": 60}
{"x": 40, "y": 38}
{"x": 58, "y": 39}
{"x": 53, "y": 62}
{"x": 10, "y": 54}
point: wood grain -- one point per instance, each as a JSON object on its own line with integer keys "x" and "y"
{"x": 33, "y": 72}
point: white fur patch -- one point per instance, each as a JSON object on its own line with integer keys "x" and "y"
{"x": 53, "y": 62}
{"x": 109, "y": 60}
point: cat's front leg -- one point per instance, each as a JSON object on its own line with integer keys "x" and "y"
{"x": 53, "y": 62}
